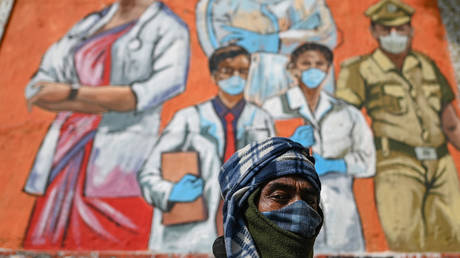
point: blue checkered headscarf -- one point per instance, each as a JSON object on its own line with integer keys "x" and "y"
{"x": 248, "y": 169}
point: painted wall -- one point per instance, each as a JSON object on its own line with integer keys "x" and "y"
{"x": 5, "y": 10}
{"x": 110, "y": 211}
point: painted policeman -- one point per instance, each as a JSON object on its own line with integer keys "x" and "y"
{"x": 340, "y": 139}
{"x": 268, "y": 29}
{"x": 413, "y": 118}
{"x": 215, "y": 129}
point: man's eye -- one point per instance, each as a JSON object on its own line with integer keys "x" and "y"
{"x": 280, "y": 197}
{"x": 243, "y": 71}
{"x": 401, "y": 28}
{"x": 225, "y": 70}
{"x": 312, "y": 202}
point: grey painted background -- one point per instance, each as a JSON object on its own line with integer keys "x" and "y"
{"x": 5, "y": 9}
{"x": 450, "y": 12}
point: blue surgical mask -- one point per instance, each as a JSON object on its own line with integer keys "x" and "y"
{"x": 313, "y": 77}
{"x": 298, "y": 217}
{"x": 233, "y": 85}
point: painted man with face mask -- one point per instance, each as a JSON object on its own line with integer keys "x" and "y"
{"x": 270, "y": 30}
{"x": 215, "y": 129}
{"x": 413, "y": 118}
{"x": 340, "y": 139}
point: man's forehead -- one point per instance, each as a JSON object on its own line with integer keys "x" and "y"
{"x": 291, "y": 181}
{"x": 236, "y": 60}
{"x": 311, "y": 54}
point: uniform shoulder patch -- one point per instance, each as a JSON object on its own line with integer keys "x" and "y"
{"x": 352, "y": 61}
{"x": 423, "y": 56}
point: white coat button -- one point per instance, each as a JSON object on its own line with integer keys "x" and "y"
{"x": 134, "y": 44}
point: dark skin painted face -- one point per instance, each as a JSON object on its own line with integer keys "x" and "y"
{"x": 283, "y": 191}
{"x": 309, "y": 59}
{"x": 238, "y": 65}
{"x": 306, "y": 60}
{"x": 312, "y": 59}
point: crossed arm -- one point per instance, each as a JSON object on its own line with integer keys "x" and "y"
{"x": 54, "y": 97}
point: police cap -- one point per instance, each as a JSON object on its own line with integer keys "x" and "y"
{"x": 390, "y": 13}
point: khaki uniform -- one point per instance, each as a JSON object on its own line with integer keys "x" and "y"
{"x": 416, "y": 186}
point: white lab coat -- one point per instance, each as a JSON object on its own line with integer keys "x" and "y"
{"x": 308, "y": 21}
{"x": 152, "y": 58}
{"x": 341, "y": 132}
{"x": 196, "y": 128}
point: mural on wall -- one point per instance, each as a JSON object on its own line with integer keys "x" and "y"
{"x": 131, "y": 159}
{"x": 5, "y": 9}
{"x": 341, "y": 143}
{"x": 107, "y": 78}
{"x": 449, "y": 11}
{"x": 413, "y": 117}
{"x": 214, "y": 129}
{"x": 268, "y": 29}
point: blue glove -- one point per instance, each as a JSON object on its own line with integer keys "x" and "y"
{"x": 304, "y": 135}
{"x": 324, "y": 166}
{"x": 252, "y": 41}
{"x": 311, "y": 23}
{"x": 188, "y": 189}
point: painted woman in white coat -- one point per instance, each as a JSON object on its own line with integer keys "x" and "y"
{"x": 215, "y": 129}
{"x": 107, "y": 79}
{"x": 341, "y": 142}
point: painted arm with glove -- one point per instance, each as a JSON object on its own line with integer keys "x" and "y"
{"x": 188, "y": 189}
{"x": 252, "y": 41}
{"x": 360, "y": 160}
{"x": 304, "y": 135}
{"x": 317, "y": 26}
{"x": 324, "y": 165}
{"x": 158, "y": 191}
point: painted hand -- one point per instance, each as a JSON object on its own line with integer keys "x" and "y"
{"x": 49, "y": 92}
{"x": 304, "y": 135}
{"x": 311, "y": 23}
{"x": 188, "y": 189}
{"x": 324, "y": 166}
{"x": 252, "y": 41}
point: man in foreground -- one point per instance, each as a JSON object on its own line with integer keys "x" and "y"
{"x": 271, "y": 201}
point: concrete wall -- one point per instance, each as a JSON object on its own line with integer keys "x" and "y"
{"x": 449, "y": 9}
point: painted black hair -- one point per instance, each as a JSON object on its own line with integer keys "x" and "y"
{"x": 309, "y": 46}
{"x": 223, "y": 53}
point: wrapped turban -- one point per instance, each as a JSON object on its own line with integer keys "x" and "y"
{"x": 248, "y": 169}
